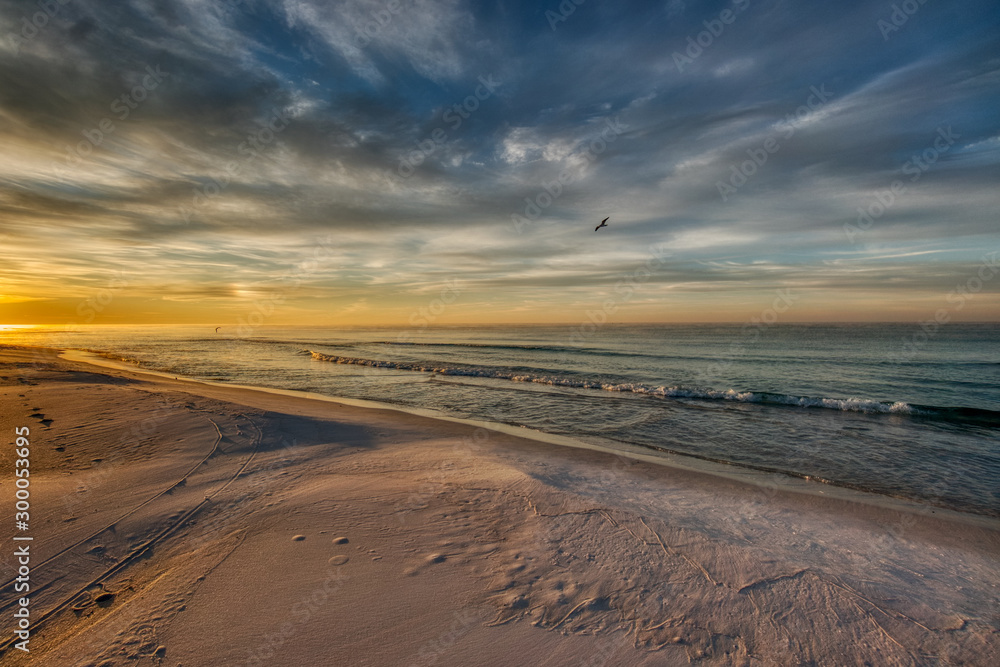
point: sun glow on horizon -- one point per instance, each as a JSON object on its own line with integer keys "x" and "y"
{"x": 363, "y": 188}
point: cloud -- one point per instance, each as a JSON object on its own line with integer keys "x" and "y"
{"x": 198, "y": 195}
{"x": 432, "y": 37}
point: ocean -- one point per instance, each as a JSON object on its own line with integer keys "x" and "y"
{"x": 893, "y": 409}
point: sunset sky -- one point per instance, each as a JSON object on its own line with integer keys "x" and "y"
{"x": 351, "y": 162}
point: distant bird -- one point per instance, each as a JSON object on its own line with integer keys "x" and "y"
{"x": 217, "y": 329}
{"x": 604, "y": 223}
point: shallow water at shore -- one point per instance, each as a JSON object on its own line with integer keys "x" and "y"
{"x": 833, "y": 403}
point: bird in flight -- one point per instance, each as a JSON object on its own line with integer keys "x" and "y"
{"x": 604, "y": 223}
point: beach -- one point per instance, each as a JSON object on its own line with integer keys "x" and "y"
{"x": 175, "y": 522}
{"x": 409, "y": 334}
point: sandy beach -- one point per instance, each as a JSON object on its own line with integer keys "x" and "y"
{"x": 180, "y": 523}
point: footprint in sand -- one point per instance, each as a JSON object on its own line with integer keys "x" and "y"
{"x": 40, "y": 417}
{"x": 340, "y": 540}
{"x": 339, "y": 560}
{"x": 429, "y": 559}
{"x": 298, "y": 538}
{"x": 104, "y": 599}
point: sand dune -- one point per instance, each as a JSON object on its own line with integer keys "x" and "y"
{"x": 177, "y": 523}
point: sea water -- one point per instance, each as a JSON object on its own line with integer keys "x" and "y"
{"x": 887, "y": 408}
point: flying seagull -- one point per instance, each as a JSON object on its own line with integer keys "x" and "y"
{"x": 604, "y": 223}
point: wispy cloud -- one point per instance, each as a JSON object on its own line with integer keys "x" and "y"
{"x": 204, "y": 205}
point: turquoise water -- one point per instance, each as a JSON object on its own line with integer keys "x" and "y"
{"x": 885, "y": 408}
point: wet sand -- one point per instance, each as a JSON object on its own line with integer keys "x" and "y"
{"x": 180, "y": 523}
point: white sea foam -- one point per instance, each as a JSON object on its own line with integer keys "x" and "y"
{"x": 844, "y": 404}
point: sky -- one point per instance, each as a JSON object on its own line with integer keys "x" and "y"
{"x": 389, "y": 162}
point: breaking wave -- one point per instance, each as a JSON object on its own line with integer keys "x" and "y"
{"x": 845, "y": 404}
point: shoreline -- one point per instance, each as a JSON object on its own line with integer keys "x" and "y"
{"x": 163, "y": 510}
{"x": 741, "y": 473}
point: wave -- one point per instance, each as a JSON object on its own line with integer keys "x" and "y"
{"x": 566, "y": 349}
{"x": 675, "y": 356}
{"x": 117, "y": 356}
{"x": 864, "y": 405}
{"x": 510, "y": 346}
{"x": 403, "y": 343}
